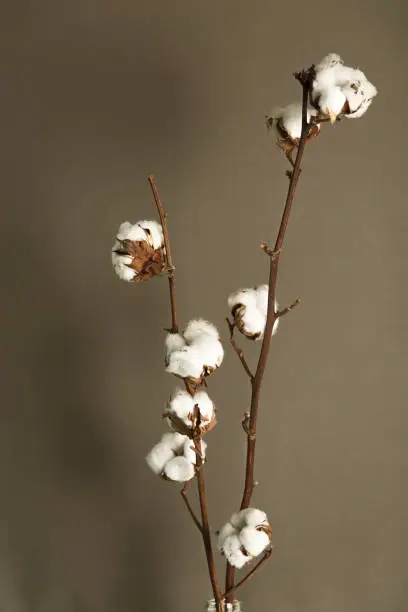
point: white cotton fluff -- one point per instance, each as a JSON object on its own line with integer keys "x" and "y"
{"x": 158, "y": 457}
{"x": 186, "y": 363}
{"x": 181, "y": 405}
{"x": 262, "y": 304}
{"x": 198, "y": 328}
{"x": 224, "y": 533}
{"x": 253, "y": 540}
{"x": 174, "y": 440}
{"x": 331, "y": 101}
{"x": 163, "y": 451}
{"x": 120, "y": 265}
{"x": 204, "y": 338}
{"x": 330, "y": 61}
{"x": 252, "y": 517}
{"x": 233, "y": 553}
{"x": 149, "y": 231}
{"x": 189, "y": 452}
{"x": 246, "y": 297}
{"x": 179, "y": 469}
{"x": 172, "y": 343}
{"x": 210, "y": 350}
{"x": 253, "y": 322}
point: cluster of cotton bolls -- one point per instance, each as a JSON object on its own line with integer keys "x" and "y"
{"x": 174, "y": 457}
{"x": 195, "y": 353}
{"x": 181, "y": 411}
{"x": 138, "y": 251}
{"x": 246, "y": 535}
{"x": 249, "y": 309}
{"x": 337, "y": 91}
{"x": 191, "y": 355}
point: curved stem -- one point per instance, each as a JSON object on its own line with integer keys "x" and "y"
{"x": 305, "y": 78}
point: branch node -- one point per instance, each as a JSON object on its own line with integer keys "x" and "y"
{"x": 273, "y": 253}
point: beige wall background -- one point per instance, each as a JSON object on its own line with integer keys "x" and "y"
{"x": 95, "y": 96}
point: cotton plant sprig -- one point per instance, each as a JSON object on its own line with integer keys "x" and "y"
{"x": 331, "y": 91}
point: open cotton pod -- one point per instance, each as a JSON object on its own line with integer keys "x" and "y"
{"x": 195, "y": 353}
{"x": 249, "y": 309}
{"x": 287, "y": 122}
{"x": 339, "y": 90}
{"x": 181, "y": 412}
{"x": 245, "y": 536}
{"x": 138, "y": 251}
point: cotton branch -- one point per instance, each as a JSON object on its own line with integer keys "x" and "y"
{"x": 204, "y": 526}
{"x": 170, "y": 267}
{"x": 305, "y": 78}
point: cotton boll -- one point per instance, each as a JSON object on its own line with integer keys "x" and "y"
{"x": 224, "y": 533}
{"x": 246, "y": 297}
{"x": 134, "y": 248}
{"x": 179, "y": 469}
{"x": 160, "y": 454}
{"x": 232, "y": 551}
{"x": 174, "y": 440}
{"x": 197, "y": 328}
{"x": 253, "y": 540}
{"x": 189, "y": 452}
{"x": 205, "y": 406}
{"x": 186, "y": 363}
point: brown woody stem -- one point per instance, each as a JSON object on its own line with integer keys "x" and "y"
{"x": 238, "y": 350}
{"x": 170, "y": 266}
{"x": 305, "y": 78}
{"x": 183, "y": 493}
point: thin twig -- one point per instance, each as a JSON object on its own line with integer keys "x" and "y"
{"x": 249, "y": 575}
{"x": 238, "y": 350}
{"x": 183, "y": 494}
{"x": 305, "y": 78}
{"x": 170, "y": 267}
{"x": 281, "y": 313}
{"x": 204, "y": 528}
{"x": 206, "y": 532}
